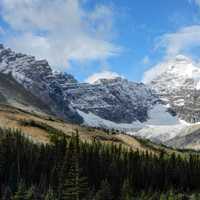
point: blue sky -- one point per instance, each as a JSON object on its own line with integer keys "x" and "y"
{"x": 86, "y": 37}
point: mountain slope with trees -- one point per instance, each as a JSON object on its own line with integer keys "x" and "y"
{"x": 68, "y": 168}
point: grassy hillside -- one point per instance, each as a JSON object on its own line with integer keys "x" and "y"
{"x": 40, "y": 129}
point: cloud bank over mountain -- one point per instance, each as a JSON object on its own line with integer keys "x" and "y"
{"x": 60, "y": 31}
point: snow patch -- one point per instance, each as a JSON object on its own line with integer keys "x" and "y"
{"x": 158, "y": 115}
{"x": 93, "y": 120}
{"x": 160, "y": 126}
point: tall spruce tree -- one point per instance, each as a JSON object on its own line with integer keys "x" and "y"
{"x": 127, "y": 191}
{"x": 104, "y": 192}
{"x": 75, "y": 186}
{"x": 30, "y": 193}
{"x": 20, "y": 193}
{"x": 49, "y": 195}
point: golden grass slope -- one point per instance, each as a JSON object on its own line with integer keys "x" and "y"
{"x": 14, "y": 118}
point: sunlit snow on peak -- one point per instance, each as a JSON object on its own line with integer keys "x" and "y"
{"x": 174, "y": 72}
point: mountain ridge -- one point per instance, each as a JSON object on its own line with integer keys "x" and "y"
{"x": 66, "y": 95}
{"x": 152, "y": 111}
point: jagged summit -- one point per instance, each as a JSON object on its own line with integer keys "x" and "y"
{"x": 173, "y": 74}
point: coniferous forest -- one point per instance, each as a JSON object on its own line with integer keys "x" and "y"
{"x": 69, "y": 169}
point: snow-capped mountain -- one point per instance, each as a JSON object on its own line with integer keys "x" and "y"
{"x": 177, "y": 82}
{"x": 157, "y": 110}
{"x": 174, "y": 74}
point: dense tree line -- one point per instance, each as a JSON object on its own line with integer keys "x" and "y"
{"x": 68, "y": 169}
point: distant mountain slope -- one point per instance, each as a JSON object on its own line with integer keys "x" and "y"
{"x": 117, "y": 100}
{"x": 13, "y": 93}
{"x": 188, "y": 138}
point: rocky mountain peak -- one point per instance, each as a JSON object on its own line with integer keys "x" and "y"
{"x": 177, "y": 82}
{"x": 174, "y": 74}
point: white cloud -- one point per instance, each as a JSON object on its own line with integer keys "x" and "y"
{"x": 146, "y": 60}
{"x": 195, "y": 1}
{"x": 60, "y": 30}
{"x": 181, "y": 41}
{"x": 102, "y": 75}
{"x": 174, "y": 44}
{"x": 154, "y": 72}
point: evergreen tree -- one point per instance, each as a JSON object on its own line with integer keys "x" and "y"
{"x": 30, "y": 195}
{"x": 33, "y": 194}
{"x": 127, "y": 192}
{"x": 75, "y": 186}
{"x": 163, "y": 197}
{"x": 50, "y": 195}
{"x": 170, "y": 195}
{"x": 104, "y": 192}
{"x": 195, "y": 196}
{"x": 20, "y": 193}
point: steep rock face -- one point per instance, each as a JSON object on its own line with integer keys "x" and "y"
{"x": 177, "y": 82}
{"x": 38, "y": 78}
{"x": 116, "y": 99}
